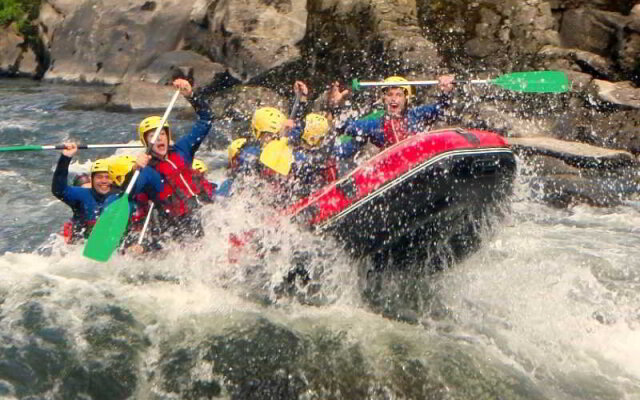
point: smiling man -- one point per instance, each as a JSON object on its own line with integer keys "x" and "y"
{"x": 86, "y": 203}
{"x": 398, "y": 120}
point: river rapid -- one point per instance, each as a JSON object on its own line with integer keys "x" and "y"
{"x": 547, "y": 308}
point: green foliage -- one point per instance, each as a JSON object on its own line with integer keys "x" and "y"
{"x": 20, "y": 11}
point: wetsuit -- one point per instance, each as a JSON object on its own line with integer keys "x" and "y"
{"x": 384, "y": 131}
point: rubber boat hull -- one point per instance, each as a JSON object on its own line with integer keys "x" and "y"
{"x": 421, "y": 193}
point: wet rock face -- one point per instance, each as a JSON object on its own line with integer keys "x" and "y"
{"x": 103, "y": 41}
{"x": 253, "y": 36}
{"x": 345, "y": 39}
{"x": 10, "y": 50}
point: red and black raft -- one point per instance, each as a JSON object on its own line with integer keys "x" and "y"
{"x": 426, "y": 189}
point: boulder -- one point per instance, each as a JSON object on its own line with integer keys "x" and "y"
{"x": 573, "y": 153}
{"x": 564, "y": 190}
{"x": 92, "y": 100}
{"x": 542, "y": 165}
{"x": 579, "y": 60}
{"x": 613, "y": 128}
{"x": 162, "y": 67}
{"x": 28, "y": 65}
{"x": 111, "y": 41}
{"x": 143, "y": 96}
{"x": 253, "y": 36}
{"x": 10, "y": 50}
{"x": 619, "y": 93}
{"x": 579, "y": 80}
{"x": 629, "y": 54}
{"x": 583, "y": 29}
{"x": 368, "y": 38}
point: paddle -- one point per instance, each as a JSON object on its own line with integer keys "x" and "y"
{"x": 146, "y": 224}
{"x": 277, "y": 154}
{"x": 112, "y": 223}
{"x": 80, "y": 147}
{"x": 526, "y": 82}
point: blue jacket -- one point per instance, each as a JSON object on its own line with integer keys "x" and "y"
{"x": 372, "y": 130}
{"x": 87, "y": 204}
{"x": 186, "y": 148}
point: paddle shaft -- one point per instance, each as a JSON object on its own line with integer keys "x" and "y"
{"x": 527, "y": 82}
{"x": 134, "y": 178}
{"x": 80, "y": 147}
{"x": 146, "y": 224}
{"x": 294, "y": 108}
{"x": 418, "y": 83}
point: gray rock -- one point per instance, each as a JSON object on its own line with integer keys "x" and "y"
{"x": 620, "y": 93}
{"x": 481, "y": 47}
{"x": 10, "y": 49}
{"x": 96, "y": 99}
{"x": 28, "y": 65}
{"x": 161, "y": 68}
{"x": 546, "y": 165}
{"x": 582, "y": 29}
{"x": 579, "y": 80}
{"x": 574, "y": 153}
{"x": 253, "y": 36}
{"x": 567, "y": 190}
{"x": 346, "y": 38}
{"x": 579, "y": 60}
{"x": 112, "y": 41}
{"x": 241, "y": 101}
{"x": 139, "y": 96}
{"x": 629, "y": 54}
{"x": 615, "y": 129}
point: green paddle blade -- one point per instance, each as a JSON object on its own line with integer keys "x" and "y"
{"x": 21, "y": 148}
{"x": 105, "y": 236}
{"x": 534, "y": 82}
{"x": 278, "y": 156}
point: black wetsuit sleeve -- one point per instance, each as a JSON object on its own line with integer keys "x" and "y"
{"x": 60, "y": 177}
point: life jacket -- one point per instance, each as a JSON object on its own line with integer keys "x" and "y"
{"x": 74, "y": 230}
{"x": 183, "y": 189}
{"x": 395, "y": 130}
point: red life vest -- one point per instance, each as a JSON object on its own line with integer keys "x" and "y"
{"x": 395, "y": 130}
{"x": 72, "y": 231}
{"x": 183, "y": 189}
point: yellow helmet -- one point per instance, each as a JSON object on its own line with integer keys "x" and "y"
{"x": 151, "y": 123}
{"x": 235, "y": 147}
{"x": 399, "y": 79}
{"x": 101, "y": 165}
{"x": 267, "y": 119}
{"x": 119, "y": 167}
{"x": 199, "y": 166}
{"x": 315, "y": 129}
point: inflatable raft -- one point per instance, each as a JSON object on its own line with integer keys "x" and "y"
{"x": 421, "y": 192}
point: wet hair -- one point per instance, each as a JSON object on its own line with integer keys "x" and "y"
{"x": 81, "y": 179}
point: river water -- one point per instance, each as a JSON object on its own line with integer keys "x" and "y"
{"x": 547, "y": 308}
